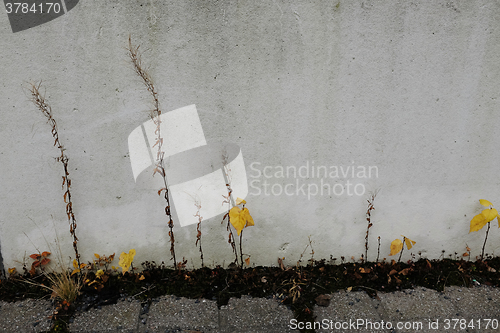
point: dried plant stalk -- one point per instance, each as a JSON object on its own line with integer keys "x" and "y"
{"x": 378, "y": 249}
{"x": 230, "y": 202}
{"x": 41, "y": 104}
{"x": 155, "y": 114}
{"x": 198, "y": 229}
{"x": 370, "y": 224}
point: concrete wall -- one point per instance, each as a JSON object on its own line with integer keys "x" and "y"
{"x": 409, "y": 88}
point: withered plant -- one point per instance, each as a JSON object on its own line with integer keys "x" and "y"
{"x": 64, "y": 286}
{"x": 198, "y": 229}
{"x": 378, "y": 249}
{"x": 39, "y": 100}
{"x": 370, "y": 224}
{"x": 229, "y": 200}
{"x": 155, "y": 114}
{"x": 311, "y": 261}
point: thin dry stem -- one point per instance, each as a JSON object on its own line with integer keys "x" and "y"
{"x": 38, "y": 99}
{"x": 402, "y": 249}
{"x": 370, "y": 224}
{"x": 135, "y": 57}
{"x": 230, "y": 202}
{"x": 198, "y": 230}
{"x": 485, "y": 239}
{"x": 378, "y": 249}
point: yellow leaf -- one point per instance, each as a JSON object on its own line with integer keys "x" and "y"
{"x": 490, "y": 214}
{"x": 236, "y": 220}
{"x": 247, "y": 261}
{"x": 248, "y": 217}
{"x": 409, "y": 242}
{"x": 240, "y": 201}
{"x": 485, "y": 203}
{"x": 480, "y": 220}
{"x": 126, "y": 260}
{"x": 97, "y": 256}
{"x": 141, "y": 277}
{"x": 12, "y": 271}
{"x": 477, "y": 223}
{"x": 396, "y": 246}
{"x": 99, "y": 273}
{"x": 75, "y": 263}
{"x": 75, "y": 271}
{"x": 240, "y": 218}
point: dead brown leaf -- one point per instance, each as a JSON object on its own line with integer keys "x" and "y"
{"x": 323, "y": 300}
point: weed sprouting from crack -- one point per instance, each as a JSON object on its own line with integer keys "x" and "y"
{"x": 230, "y": 202}
{"x": 155, "y": 115}
{"x": 39, "y": 100}
{"x": 370, "y": 224}
{"x": 198, "y": 229}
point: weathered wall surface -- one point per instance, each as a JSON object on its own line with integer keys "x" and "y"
{"x": 408, "y": 88}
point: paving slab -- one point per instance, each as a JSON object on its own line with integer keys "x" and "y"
{"x": 465, "y": 310}
{"x": 348, "y": 312}
{"x": 478, "y": 308}
{"x": 475, "y": 303}
{"x": 122, "y": 317}
{"x": 28, "y": 316}
{"x": 419, "y": 303}
{"x": 178, "y": 314}
{"x": 255, "y": 315}
{"x": 414, "y": 310}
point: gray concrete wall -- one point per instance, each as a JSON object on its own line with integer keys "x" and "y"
{"x": 409, "y": 88}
